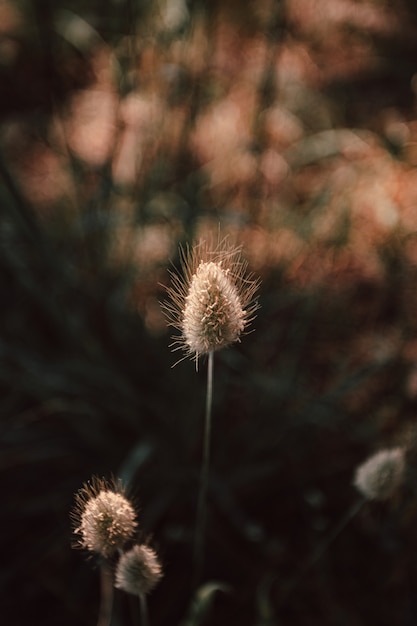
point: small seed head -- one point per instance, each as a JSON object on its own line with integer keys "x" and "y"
{"x": 104, "y": 518}
{"x": 138, "y": 570}
{"x": 379, "y": 477}
{"x": 213, "y": 302}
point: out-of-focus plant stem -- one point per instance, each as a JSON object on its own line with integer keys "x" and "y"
{"x": 106, "y": 597}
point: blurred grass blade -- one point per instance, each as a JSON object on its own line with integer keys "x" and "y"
{"x": 202, "y": 602}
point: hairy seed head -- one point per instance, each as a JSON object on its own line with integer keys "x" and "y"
{"x": 212, "y": 303}
{"x": 380, "y": 476}
{"x": 213, "y": 315}
{"x": 104, "y": 518}
{"x": 138, "y": 570}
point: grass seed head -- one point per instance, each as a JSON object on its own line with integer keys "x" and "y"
{"x": 138, "y": 570}
{"x": 212, "y": 301}
{"x": 104, "y": 519}
{"x": 379, "y": 477}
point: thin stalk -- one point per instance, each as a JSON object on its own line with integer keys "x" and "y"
{"x": 106, "y": 596}
{"x": 204, "y": 479}
{"x": 317, "y": 554}
{"x": 144, "y": 620}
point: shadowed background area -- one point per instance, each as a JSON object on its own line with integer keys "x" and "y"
{"x": 128, "y": 128}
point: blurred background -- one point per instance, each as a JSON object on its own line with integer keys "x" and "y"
{"x": 128, "y": 127}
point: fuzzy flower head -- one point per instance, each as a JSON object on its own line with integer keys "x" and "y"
{"x": 104, "y": 519}
{"x": 212, "y": 303}
{"x": 138, "y": 570}
{"x": 380, "y": 476}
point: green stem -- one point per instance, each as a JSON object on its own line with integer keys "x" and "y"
{"x": 106, "y": 597}
{"x": 144, "y": 620}
{"x": 204, "y": 480}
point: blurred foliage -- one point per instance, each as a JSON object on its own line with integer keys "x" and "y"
{"x": 127, "y": 128}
